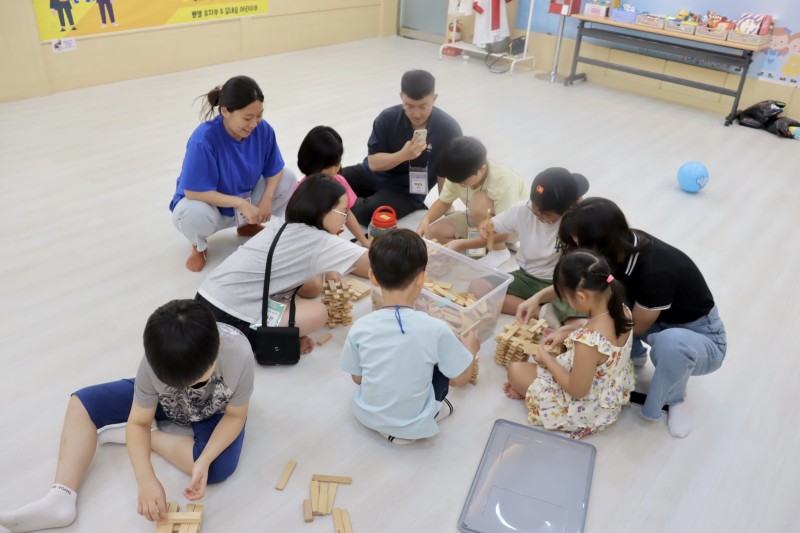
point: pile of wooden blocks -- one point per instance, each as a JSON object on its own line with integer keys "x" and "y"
{"x": 337, "y": 298}
{"x": 440, "y": 288}
{"x": 478, "y": 317}
{"x": 517, "y": 342}
{"x": 358, "y": 289}
{"x": 323, "y": 492}
{"x": 177, "y": 522}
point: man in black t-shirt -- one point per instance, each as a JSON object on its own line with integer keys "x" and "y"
{"x": 403, "y": 151}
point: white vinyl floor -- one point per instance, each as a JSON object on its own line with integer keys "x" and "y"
{"x": 89, "y": 252}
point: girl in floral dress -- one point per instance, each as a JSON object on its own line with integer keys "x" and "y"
{"x": 582, "y": 389}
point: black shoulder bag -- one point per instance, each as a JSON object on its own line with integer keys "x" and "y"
{"x": 276, "y": 345}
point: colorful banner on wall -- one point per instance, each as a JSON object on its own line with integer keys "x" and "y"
{"x": 75, "y": 18}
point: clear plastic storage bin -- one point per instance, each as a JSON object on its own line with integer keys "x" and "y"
{"x": 465, "y": 275}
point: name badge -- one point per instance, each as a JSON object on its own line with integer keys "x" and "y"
{"x": 274, "y": 314}
{"x": 418, "y": 180}
{"x": 473, "y": 233}
{"x": 241, "y": 220}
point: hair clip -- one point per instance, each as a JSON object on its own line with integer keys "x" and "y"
{"x": 610, "y": 278}
{"x": 540, "y": 189}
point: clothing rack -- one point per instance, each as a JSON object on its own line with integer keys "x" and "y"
{"x": 468, "y": 47}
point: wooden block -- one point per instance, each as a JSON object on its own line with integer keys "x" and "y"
{"x": 287, "y": 472}
{"x": 473, "y": 326}
{"x": 343, "y": 480}
{"x": 510, "y": 333}
{"x": 358, "y": 290}
{"x": 315, "y": 497}
{"x": 338, "y": 521}
{"x": 308, "y": 515}
{"x": 191, "y": 528}
{"x": 552, "y": 348}
{"x": 475, "y": 369}
{"x": 490, "y": 239}
{"x": 184, "y": 517}
{"x": 346, "y": 519}
{"x": 166, "y": 526}
{"x": 325, "y": 338}
{"x": 444, "y": 293}
{"x": 331, "y": 496}
{"x": 323, "y": 498}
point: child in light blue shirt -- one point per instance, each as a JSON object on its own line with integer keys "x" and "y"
{"x": 403, "y": 360}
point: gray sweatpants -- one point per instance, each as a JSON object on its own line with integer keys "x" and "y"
{"x": 198, "y": 220}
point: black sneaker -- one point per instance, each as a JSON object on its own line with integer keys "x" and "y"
{"x": 445, "y": 411}
{"x": 396, "y": 440}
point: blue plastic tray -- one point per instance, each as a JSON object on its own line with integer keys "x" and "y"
{"x": 529, "y": 480}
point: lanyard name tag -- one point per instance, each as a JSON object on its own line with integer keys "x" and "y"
{"x": 418, "y": 180}
{"x": 274, "y": 314}
{"x": 473, "y": 233}
{"x": 241, "y": 220}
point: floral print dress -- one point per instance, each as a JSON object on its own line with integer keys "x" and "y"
{"x": 552, "y": 407}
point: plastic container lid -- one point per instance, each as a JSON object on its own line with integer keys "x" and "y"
{"x": 384, "y": 217}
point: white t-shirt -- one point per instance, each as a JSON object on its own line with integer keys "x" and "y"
{"x": 396, "y": 394}
{"x": 302, "y": 253}
{"x": 539, "y": 245}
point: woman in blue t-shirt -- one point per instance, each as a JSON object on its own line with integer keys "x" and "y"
{"x": 233, "y": 173}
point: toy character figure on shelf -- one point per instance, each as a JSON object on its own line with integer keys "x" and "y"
{"x": 491, "y": 21}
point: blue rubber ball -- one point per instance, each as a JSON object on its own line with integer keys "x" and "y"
{"x": 692, "y": 176}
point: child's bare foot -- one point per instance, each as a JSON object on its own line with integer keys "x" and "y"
{"x": 510, "y": 392}
{"x": 306, "y": 345}
{"x": 248, "y": 230}
{"x": 197, "y": 260}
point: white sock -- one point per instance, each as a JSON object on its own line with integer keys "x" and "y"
{"x": 56, "y": 509}
{"x": 115, "y": 433}
{"x": 495, "y": 258}
{"x": 679, "y": 420}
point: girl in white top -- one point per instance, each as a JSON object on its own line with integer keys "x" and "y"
{"x": 307, "y": 251}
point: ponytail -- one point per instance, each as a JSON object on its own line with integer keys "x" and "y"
{"x": 616, "y": 308}
{"x": 584, "y": 269}
{"x": 237, "y": 93}
{"x": 211, "y": 101}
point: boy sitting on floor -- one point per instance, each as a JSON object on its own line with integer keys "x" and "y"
{"x": 485, "y": 187}
{"x": 195, "y": 371}
{"x": 403, "y": 360}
